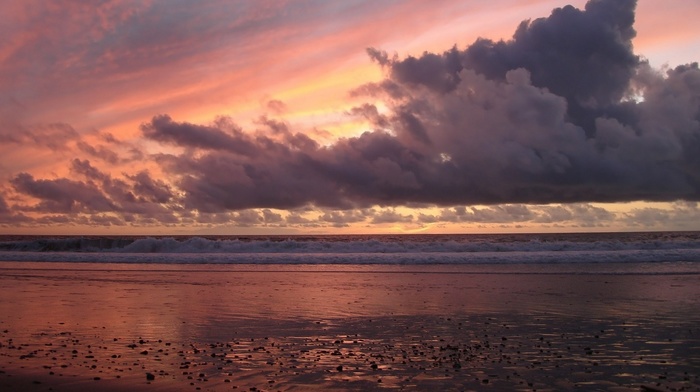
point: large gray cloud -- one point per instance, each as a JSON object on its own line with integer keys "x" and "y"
{"x": 584, "y": 56}
{"x": 63, "y": 195}
{"x": 564, "y": 112}
{"x": 163, "y": 129}
{"x": 542, "y": 118}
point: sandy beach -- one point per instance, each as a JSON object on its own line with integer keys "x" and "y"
{"x": 66, "y": 327}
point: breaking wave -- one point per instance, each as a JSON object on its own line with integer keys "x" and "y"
{"x": 376, "y": 249}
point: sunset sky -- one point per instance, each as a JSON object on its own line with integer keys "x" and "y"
{"x": 358, "y": 116}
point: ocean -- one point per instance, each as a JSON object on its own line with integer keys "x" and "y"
{"x": 640, "y": 253}
{"x": 603, "y": 311}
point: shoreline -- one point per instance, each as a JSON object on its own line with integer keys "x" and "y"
{"x": 349, "y": 330}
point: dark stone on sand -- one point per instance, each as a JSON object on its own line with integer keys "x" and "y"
{"x": 150, "y": 377}
{"x": 144, "y": 352}
{"x": 339, "y": 368}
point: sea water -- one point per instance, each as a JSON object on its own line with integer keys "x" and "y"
{"x": 647, "y": 252}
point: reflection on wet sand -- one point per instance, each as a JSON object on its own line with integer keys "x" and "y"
{"x": 224, "y": 328}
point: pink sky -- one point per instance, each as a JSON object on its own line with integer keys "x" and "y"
{"x": 80, "y": 85}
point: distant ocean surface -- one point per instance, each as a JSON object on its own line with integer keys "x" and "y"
{"x": 653, "y": 253}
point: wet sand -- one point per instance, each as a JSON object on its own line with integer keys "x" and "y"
{"x": 67, "y": 327}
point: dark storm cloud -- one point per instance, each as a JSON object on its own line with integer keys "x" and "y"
{"x": 584, "y": 56}
{"x": 281, "y": 178}
{"x": 547, "y": 117}
{"x": 142, "y": 194}
{"x": 106, "y": 200}
{"x": 83, "y": 167}
{"x": 155, "y": 191}
{"x": 62, "y": 195}
{"x": 163, "y": 129}
{"x": 544, "y": 118}
{"x": 438, "y": 72}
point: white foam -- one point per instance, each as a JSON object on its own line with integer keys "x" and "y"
{"x": 633, "y": 248}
